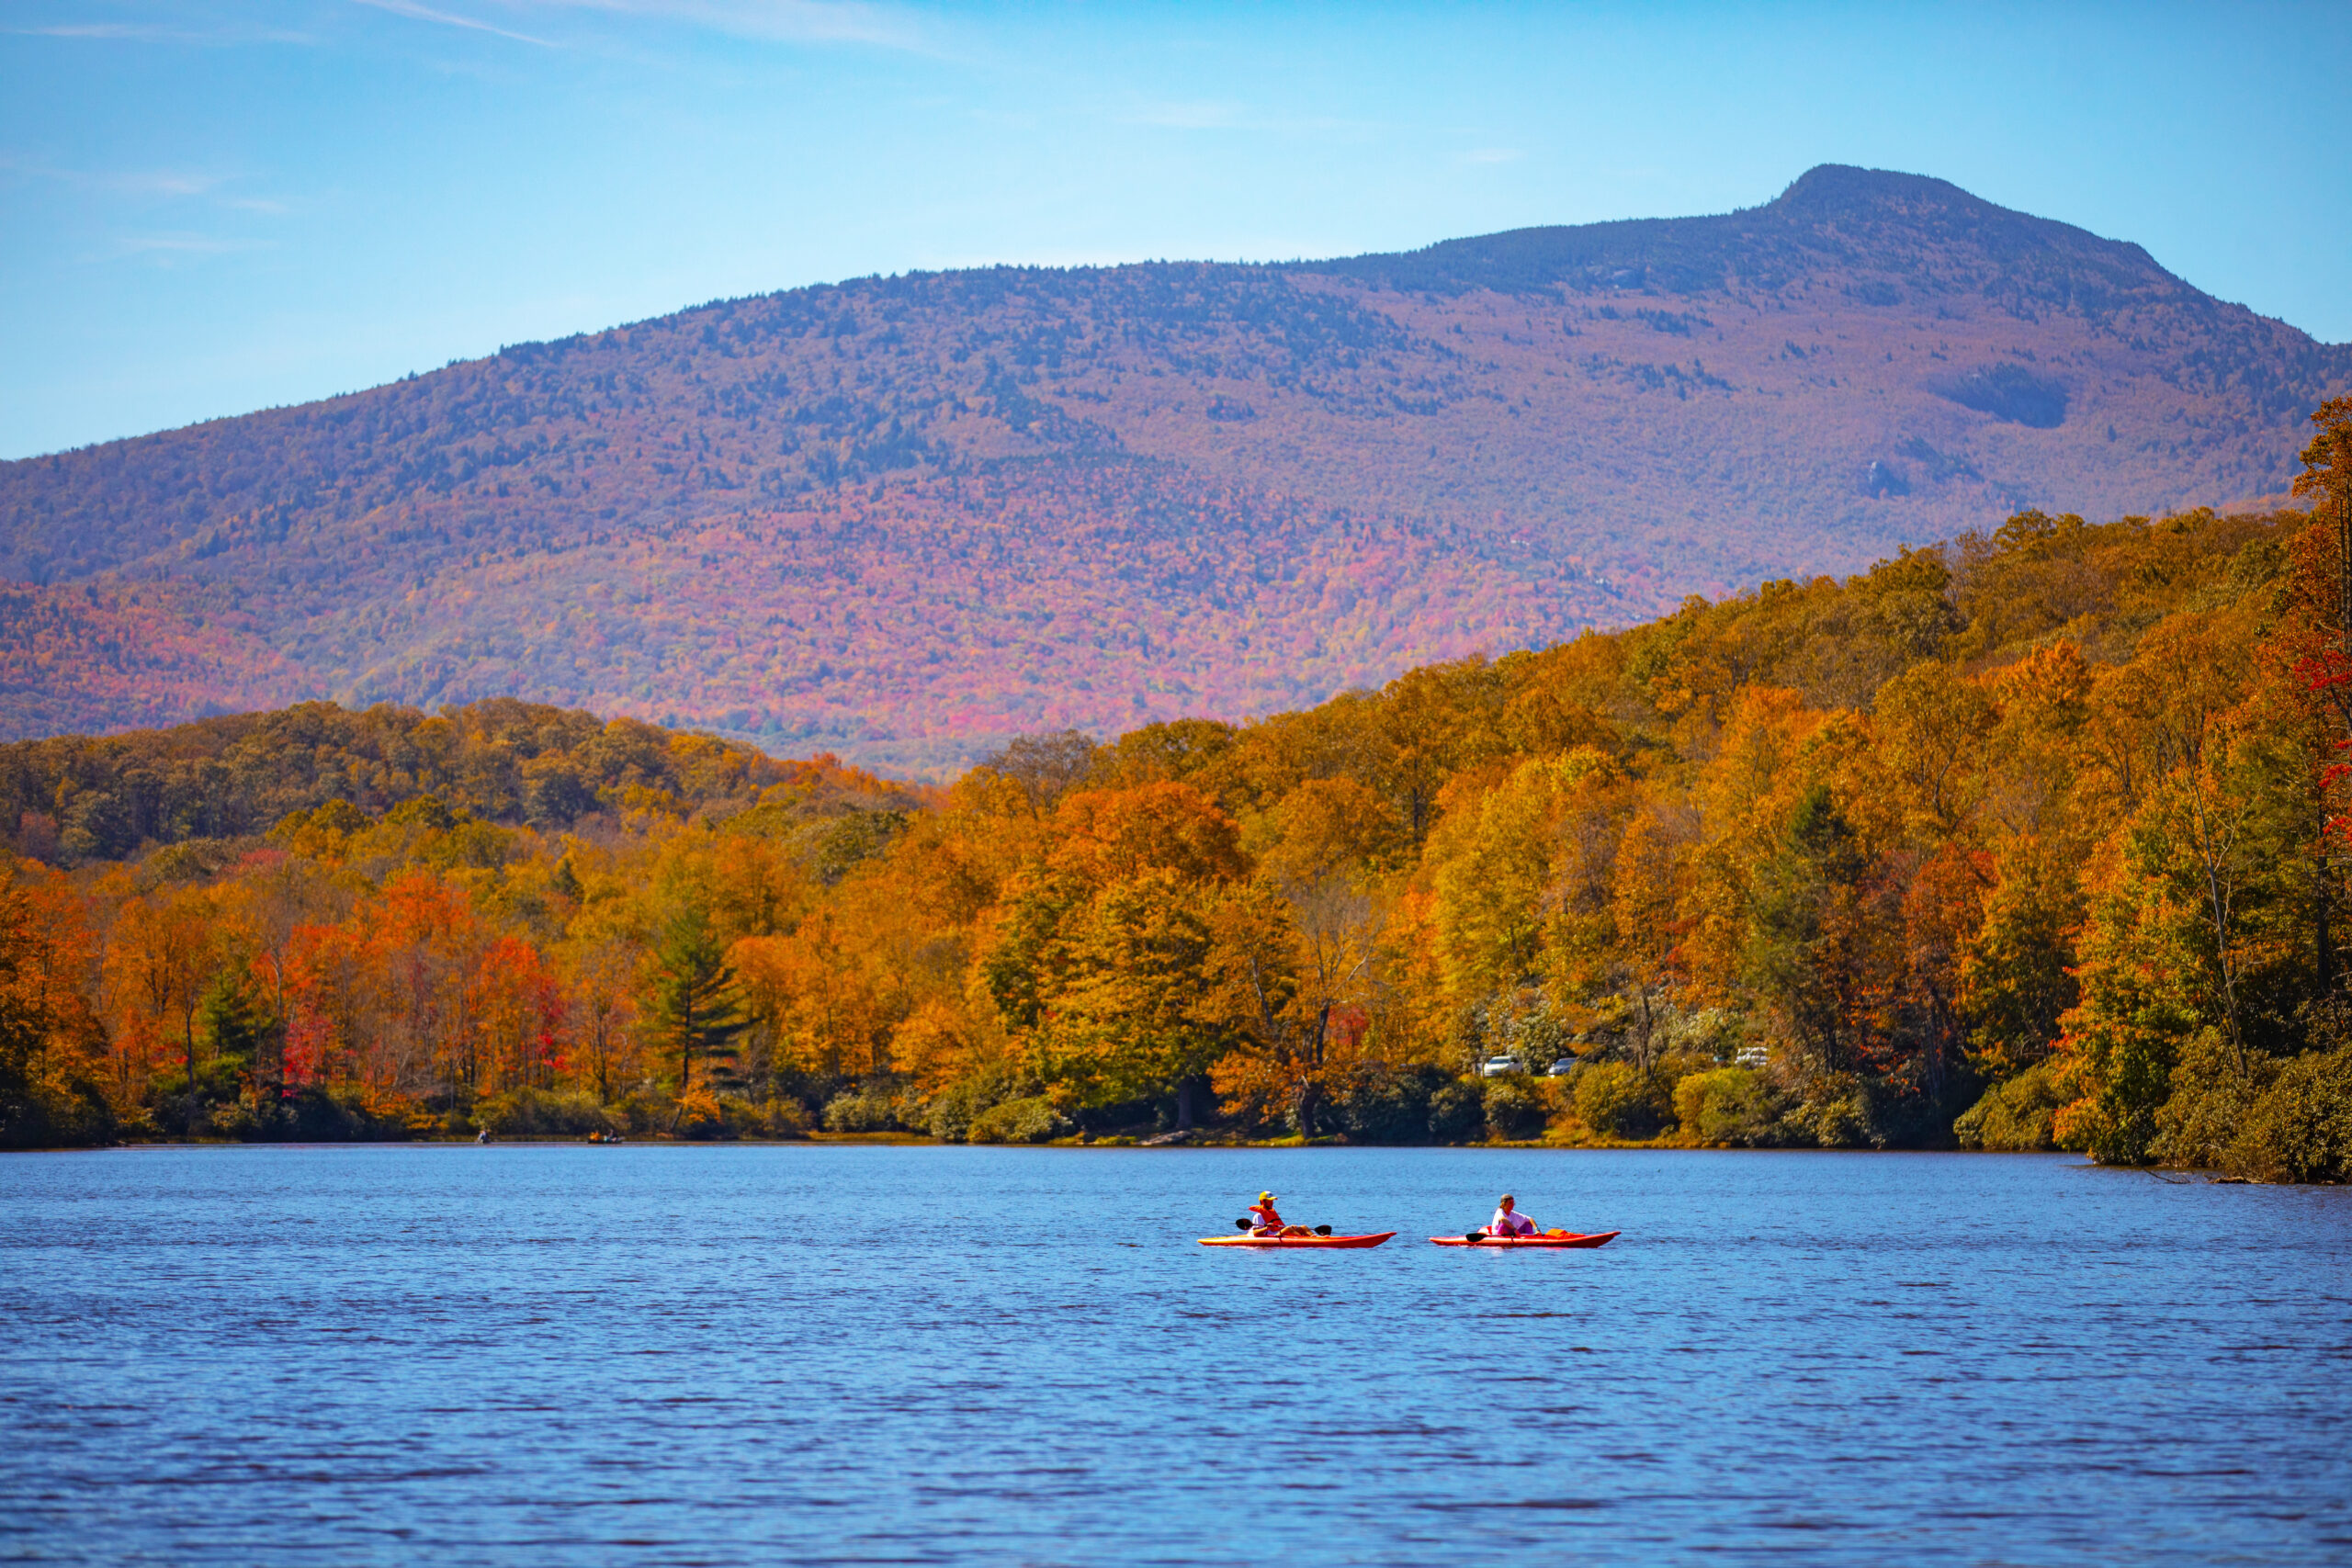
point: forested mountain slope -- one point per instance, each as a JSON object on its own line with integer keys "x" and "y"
{"x": 2031, "y": 840}
{"x": 902, "y": 517}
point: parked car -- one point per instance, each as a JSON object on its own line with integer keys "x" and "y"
{"x": 1561, "y": 1068}
{"x": 1497, "y": 1066}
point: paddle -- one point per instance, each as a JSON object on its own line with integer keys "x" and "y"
{"x": 1244, "y": 1224}
{"x": 1473, "y": 1237}
{"x": 1322, "y": 1230}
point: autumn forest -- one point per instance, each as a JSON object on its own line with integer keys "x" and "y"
{"x": 2031, "y": 839}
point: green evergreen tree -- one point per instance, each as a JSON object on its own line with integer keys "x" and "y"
{"x": 695, "y": 1005}
{"x": 236, "y": 1026}
{"x": 1802, "y": 956}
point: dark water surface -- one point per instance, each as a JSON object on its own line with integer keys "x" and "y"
{"x": 543, "y": 1354}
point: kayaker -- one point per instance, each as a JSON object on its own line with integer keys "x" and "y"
{"x": 1264, "y": 1221}
{"x": 1508, "y": 1221}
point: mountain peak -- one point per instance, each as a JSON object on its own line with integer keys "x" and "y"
{"x": 1841, "y": 196}
{"x": 903, "y": 518}
{"x": 1834, "y": 191}
{"x": 1832, "y": 218}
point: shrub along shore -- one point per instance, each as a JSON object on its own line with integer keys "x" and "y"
{"x": 2033, "y": 839}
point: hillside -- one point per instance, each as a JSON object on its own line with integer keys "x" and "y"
{"x": 2006, "y": 844}
{"x": 902, "y": 517}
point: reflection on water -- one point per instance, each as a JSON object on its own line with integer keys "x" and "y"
{"x": 855, "y": 1354}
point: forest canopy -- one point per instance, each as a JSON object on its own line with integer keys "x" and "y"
{"x": 2031, "y": 839}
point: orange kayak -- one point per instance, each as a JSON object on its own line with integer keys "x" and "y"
{"x": 1600, "y": 1238}
{"x": 1297, "y": 1240}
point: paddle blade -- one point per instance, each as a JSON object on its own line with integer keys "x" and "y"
{"x": 1473, "y": 1235}
{"x": 1241, "y": 1224}
{"x": 1322, "y": 1230}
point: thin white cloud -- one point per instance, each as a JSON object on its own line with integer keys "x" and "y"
{"x": 166, "y": 183}
{"x": 176, "y": 184}
{"x": 409, "y": 8}
{"x": 164, "y": 246}
{"x": 1210, "y": 114}
{"x": 148, "y": 32}
{"x": 773, "y": 21}
{"x": 1199, "y": 115}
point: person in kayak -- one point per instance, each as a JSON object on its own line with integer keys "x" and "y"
{"x": 1508, "y": 1221}
{"x": 1264, "y": 1221}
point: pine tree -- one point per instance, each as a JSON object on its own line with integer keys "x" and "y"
{"x": 695, "y": 1007}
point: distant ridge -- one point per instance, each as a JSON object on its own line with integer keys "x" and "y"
{"x": 1928, "y": 231}
{"x": 901, "y": 517}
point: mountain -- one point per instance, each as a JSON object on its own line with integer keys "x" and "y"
{"x": 903, "y": 517}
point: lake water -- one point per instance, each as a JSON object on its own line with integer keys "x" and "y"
{"x": 816, "y": 1354}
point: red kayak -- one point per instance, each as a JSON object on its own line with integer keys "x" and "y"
{"x": 1599, "y": 1238}
{"x": 1297, "y": 1240}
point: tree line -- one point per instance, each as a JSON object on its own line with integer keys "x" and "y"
{"x": 2034, "y": 839}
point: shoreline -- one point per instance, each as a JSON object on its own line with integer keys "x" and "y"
{"x": 918, "y": 1140}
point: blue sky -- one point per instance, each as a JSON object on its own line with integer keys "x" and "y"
{"x": 211, "y": 207}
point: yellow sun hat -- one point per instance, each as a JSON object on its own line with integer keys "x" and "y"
{"x": 1265, "y": 1197}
